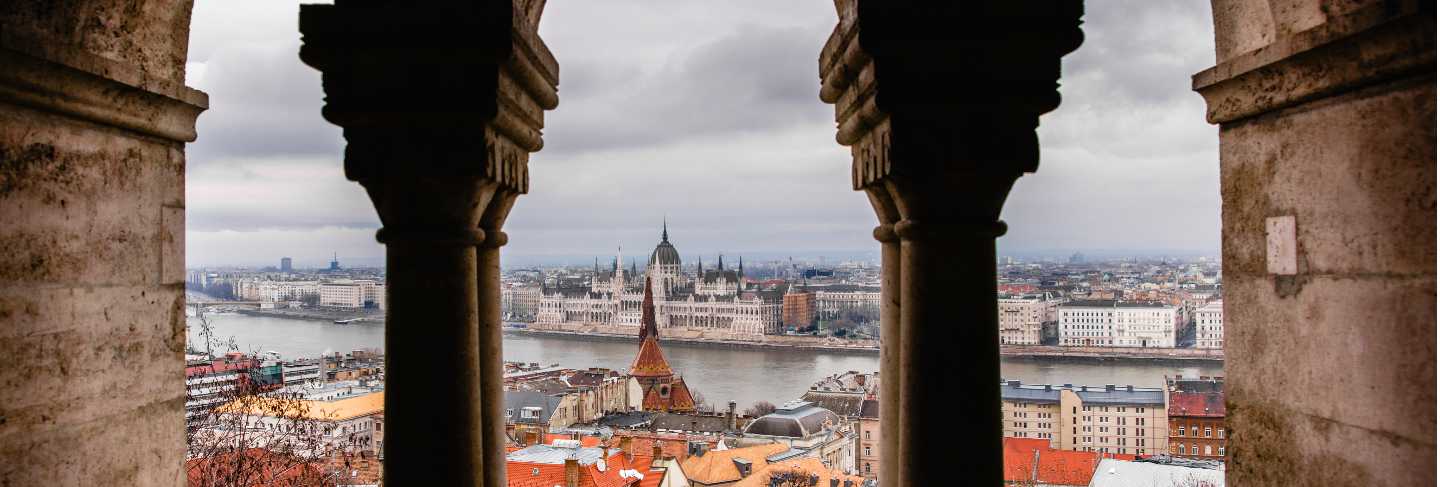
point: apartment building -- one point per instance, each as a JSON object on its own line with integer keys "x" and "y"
{"x": 1124, "y": 420}
{"x": 1196, "y": 410}
{"x": 358, "y": 293}
{"x": 1210, "y": 326}
{"x": 1105, "y": 323}
{"x": 1023, "y": 318}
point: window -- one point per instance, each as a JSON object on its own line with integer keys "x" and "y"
{"x": 1207, "y": 450}
{"x": 1221, "y": 433}
{"x": 1207, "y": 431}
{"x": 1180, "y": 431}
{"x": 867, "y": 434}
{"x": 867, "y": 451}
{"x": 1181, "y": 448}
{"x": 1195, "y": 431}
{"x": 1194, "y": 450}
{"x": 867, "y": 468}
{"x": 1222, "y": 451}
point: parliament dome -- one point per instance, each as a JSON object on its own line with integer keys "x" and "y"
{"x": 665, "y": 254}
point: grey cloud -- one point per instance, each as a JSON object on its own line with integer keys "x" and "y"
{"x": 757, "y": 78}
{"x": 263, "y": 102}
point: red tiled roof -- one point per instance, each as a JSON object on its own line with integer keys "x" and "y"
{"x": 1197, "y": 404}
{"x": 1027, "y": 457}
{"x": 585, "y": 441}
{"x": 650, "y": 361}
{"x": 528, "y": 474}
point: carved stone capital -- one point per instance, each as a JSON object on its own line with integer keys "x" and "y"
{"x": 920, "y": 86}
{"x": 939, "y": 101}
{"x": 457, "y": 88}
{"x": 1373, "y": 44}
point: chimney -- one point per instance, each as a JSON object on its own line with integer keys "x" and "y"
{"x": 655, "y": 450}
{"x": 730, "y": 417}
{"x": 572, "y": 472}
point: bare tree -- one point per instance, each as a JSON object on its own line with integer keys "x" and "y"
{"x": 760, "y": 408}
{"x": 792, "y": 478}
{"x": 251, "y": 440}
{"x": 207, "y": 334}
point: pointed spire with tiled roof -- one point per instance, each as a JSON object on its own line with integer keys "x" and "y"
{"x": 649, "y": 361}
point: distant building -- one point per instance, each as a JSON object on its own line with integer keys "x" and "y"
{"x": 867, "y": 449}
{"x": 1196, "y": 408}
{"x": 285, "y": 264}
{"x": 1023, "y": 318}
{"x": 798, "y": 308}
{"x": 662, "y": 389}
{"x": 1123, "y": 420}
{"x": 1105, "y": 323}
{"x": 1210, "y": 326}
{"x": 347, "y": 293}
{"x": 347, "y": 424}
{"x": 713, "y": 300}
{"x": 211, "y": 382}
{"x": 810, "y": 432}
{"x": 833, "y": 302}
{"x": 854, "y": 396}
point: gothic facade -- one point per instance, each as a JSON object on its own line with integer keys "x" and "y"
{"x": 710, "y": 299}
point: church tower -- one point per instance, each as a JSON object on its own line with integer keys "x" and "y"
{"x": 660, "y": 387}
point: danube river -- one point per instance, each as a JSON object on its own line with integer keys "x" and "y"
{"x": 721, "y": 375}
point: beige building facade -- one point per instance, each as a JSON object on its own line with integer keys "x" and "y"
{"x": 1123, "y": 420}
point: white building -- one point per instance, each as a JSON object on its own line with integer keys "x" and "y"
{"x": 1210, "y": 326}
{"x": 1023, "y": 318}
{"x": 275, "y": 291}
{"x": 711, "y": 300}
{"x": 346, "y": 293}
{"x": 831, "y": 304}
{"x": 1119, "y": 324}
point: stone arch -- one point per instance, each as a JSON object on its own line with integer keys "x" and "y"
{"x": 94, "y": 88}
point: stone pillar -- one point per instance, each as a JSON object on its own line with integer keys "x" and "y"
{"x": 94, "y": 118}
{"x": 1327, "y": 168}
{"x": 441, "y": 106}
{"x": 939, "y": 104}
{"x": 492, "y": 364}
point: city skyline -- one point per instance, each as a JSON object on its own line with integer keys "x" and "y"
{"x": 738, "y": 159}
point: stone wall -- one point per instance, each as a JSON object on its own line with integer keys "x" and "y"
{"x": 1327, "y": 116}
{"x": 93, "y": 120}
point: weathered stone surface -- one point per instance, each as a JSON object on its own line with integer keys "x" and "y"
{"x": 93, "y": 120}
{"x": 1327, "y": 113}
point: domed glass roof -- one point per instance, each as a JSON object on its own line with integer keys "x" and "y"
{"x": 665, "y": 254}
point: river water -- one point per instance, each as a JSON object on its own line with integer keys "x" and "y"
{"x": 721, "y": 375}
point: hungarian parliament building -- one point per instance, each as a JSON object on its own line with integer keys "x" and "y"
{"x": 716, "y": 299}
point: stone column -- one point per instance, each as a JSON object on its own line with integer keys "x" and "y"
{"x": 939, "y": 105}
{"x": 94, "y": 118}
{"x": 492, "y": 365}
{"x": 441, "y": 106}
{"x": 1326, "y": 116}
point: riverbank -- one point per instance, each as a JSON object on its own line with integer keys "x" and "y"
{"x": 1039, "y": 353}
{"x": 703, "y": 343}
{"x": 362, "y": 316}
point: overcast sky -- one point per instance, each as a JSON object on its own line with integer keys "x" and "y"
{"x": 706, "y": 113}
